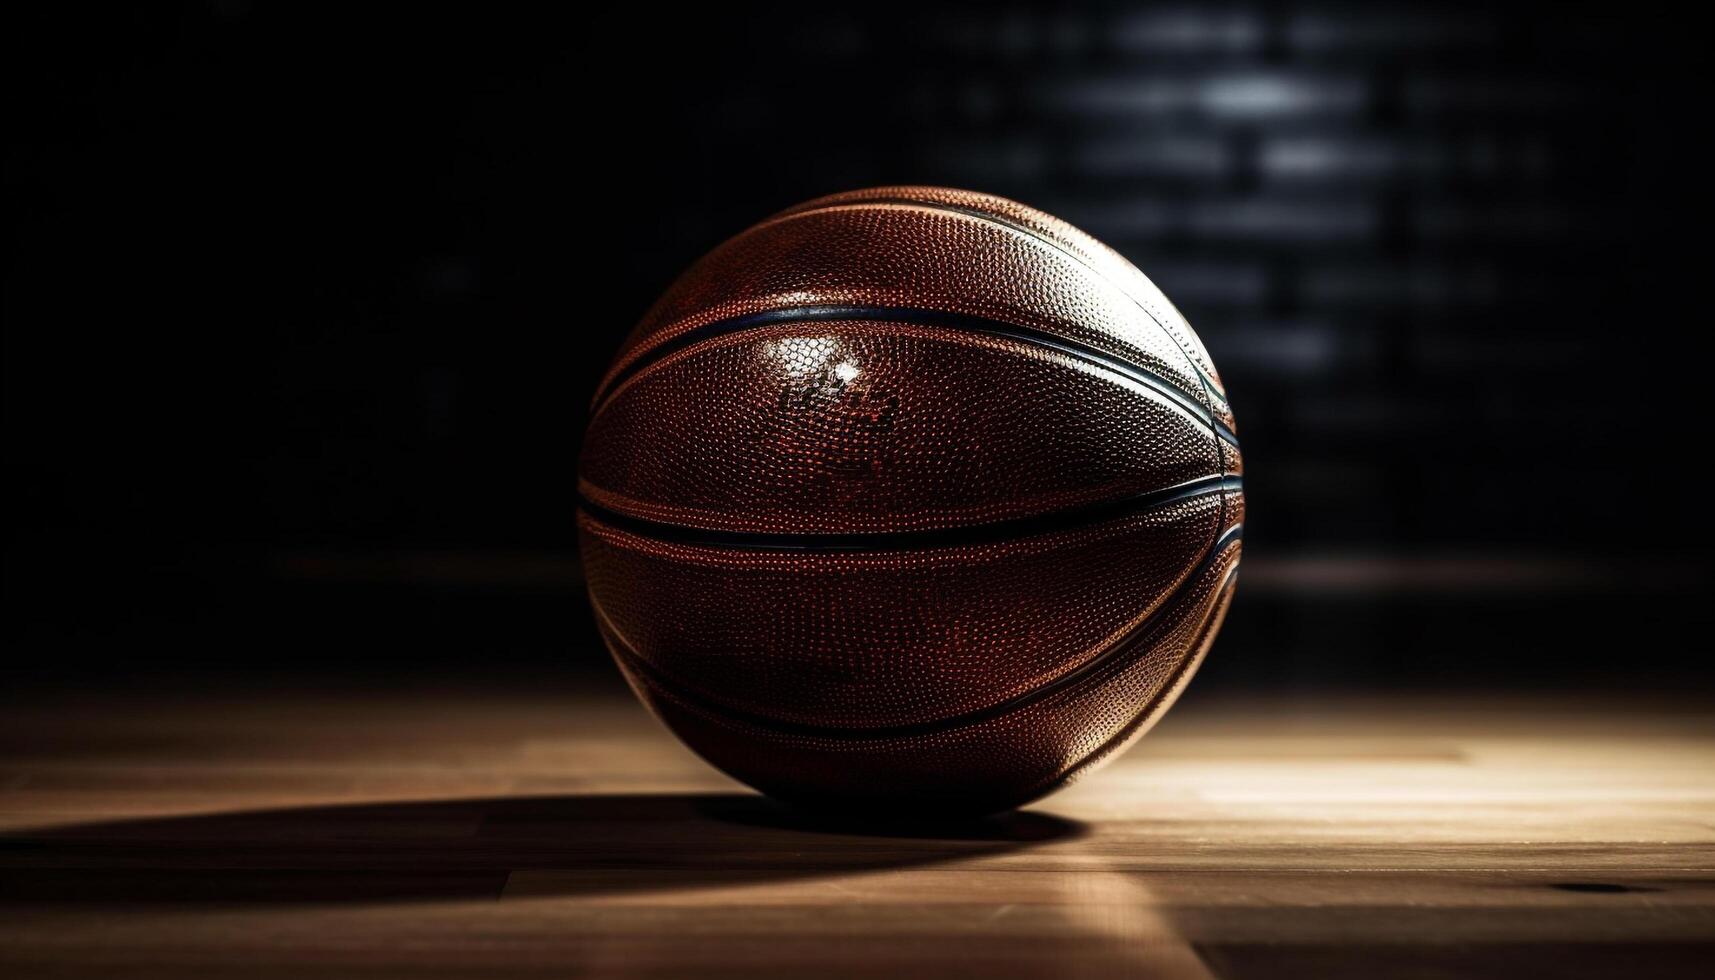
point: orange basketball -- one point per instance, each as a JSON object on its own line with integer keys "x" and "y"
{"x": 910, "y": 497}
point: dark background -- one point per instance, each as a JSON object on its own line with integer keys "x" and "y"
{"x": 303, "y": 307}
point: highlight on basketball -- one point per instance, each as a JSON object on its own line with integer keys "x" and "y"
{"x": 1133, "y": 489}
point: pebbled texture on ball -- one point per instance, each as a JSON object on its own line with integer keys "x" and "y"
{"x": 982, "y": 763}
{"x": 910, "y": 497}
{"x": 819, "y": 427}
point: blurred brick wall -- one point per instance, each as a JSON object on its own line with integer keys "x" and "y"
{"x": 1431, "y": 247}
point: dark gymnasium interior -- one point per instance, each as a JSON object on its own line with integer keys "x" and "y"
{"x": 304, "y": 310}
{"x": 304, "y": 307}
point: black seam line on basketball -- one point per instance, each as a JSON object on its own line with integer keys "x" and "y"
{"x": 1143, "y": 634}
{"x": 1204, "y": 379}
{"x": 1010, "y": 529}
{"x": 967, "y": 322}
{"x": 1051, "y": 242}
{"x": 1180, "y": 676}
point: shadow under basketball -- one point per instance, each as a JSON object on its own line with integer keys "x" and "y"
{"x": 469, "y": 849}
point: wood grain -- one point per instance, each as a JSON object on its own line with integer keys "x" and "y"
{"x": 560, "y": 832}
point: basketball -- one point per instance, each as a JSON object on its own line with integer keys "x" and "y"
{"x": 910, "y": 498}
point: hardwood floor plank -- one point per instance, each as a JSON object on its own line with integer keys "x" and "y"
{"x": 517, "y": 834}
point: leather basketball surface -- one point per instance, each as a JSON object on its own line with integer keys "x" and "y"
{"x": 911, "y": 498}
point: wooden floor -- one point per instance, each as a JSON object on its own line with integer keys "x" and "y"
{"x": 555, "y": 833}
